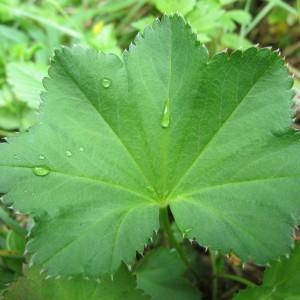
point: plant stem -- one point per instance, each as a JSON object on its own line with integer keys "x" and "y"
{"x": 258, "y": 18}
{"x": 12, "y": 223}
{"x": 62, "y": 11}
{"x": 132, "y": 12}
{"x": 237, "y": 279}
{"x": 215, "y": 275}
{"x": 246, "y": 9}
{"x": 265, "y": 11}
{"x": 172, "y": 240}
{"x": 288, "y": 8}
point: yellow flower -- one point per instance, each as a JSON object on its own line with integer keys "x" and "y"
{"x": 97, "y": 28}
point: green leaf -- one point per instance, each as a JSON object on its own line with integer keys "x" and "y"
{"x": 142, "y": 23}
{"x": 10, "y": 36}
{"x": 227, "y": 2}
{"x": 119, "y": 139}
{"x": 207, "y": 17}
{"x": 15, "y": 242}
{"x": 173, "y": 6}
{"x": 112, "y": 6}
{"x": 239, "y": 16}
{"x": 160, "y": 274}
{"x": 234, "y": 41}
{"x": 35, "y": 286}
{"x": 16, "y": 115}
{"x": 6, "y": 276}
{"x": 281, "y": 281}
{"x": 26, "y": 80}
{"x": 5, "y": 12}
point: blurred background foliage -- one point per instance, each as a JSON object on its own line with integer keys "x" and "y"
{"x": 31, "y": 30}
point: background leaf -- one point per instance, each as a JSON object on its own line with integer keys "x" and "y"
{"x": 26, "y": 80}
{"x": 161, "y": 275}
{"x": 173, "y": 6}
{"x": 35, "y": 287}
{"x": 11, "y": 36}
{"x": 234, "y": 41}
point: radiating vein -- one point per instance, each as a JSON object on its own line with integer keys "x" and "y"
{"x": 92, "y": 179}
{"x": 216, "y": 134}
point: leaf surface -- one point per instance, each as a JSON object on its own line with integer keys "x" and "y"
{"x": 161, "y": 275}
{"x": 26, "y": 80}
{"x": 281, "y": 281}
{"x": 166, "y": 125}
{"x": 34, "y": 286}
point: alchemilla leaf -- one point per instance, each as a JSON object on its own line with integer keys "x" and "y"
{"x": 164, "y": 126}
{"x": 39, "y": 287}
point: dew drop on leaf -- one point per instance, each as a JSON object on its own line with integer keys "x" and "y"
{"x": 165, "y": 120}
{"x": 81, "y": 149}
{"x": 40, "y": 171}
{"x": 69, "y": 153}
{"x": 106, "y": 83}
{"x": 42, "y": 157}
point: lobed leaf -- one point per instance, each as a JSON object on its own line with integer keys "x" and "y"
{"x": 34, "y": 286}
{"x": 164, "y": 126}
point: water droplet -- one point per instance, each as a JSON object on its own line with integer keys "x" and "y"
{"x": 69, "y": 153}
{"x": 40, "y": 171}
{"x": 42, "y": 157}
{"x": 165, "y": 120}
{"x": 81, "y": 149}
{"x": 106, "y": 83}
